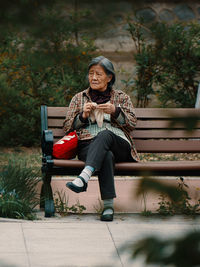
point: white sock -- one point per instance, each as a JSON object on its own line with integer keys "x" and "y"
{"x": 78, "y": 182}
{"x": 85, "y": 174}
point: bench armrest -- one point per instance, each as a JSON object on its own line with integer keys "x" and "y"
{"x": 47, "y": 143}
{"x": 47, "y": 150}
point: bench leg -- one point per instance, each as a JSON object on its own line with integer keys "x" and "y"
{"x": 47, "y": 198}
{"x": 42, "y": 197}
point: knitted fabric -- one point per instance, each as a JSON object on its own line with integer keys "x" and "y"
{"x": 97, "y": 115}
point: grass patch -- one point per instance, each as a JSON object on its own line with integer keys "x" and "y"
{"x": 20, "y": 171}
{"x": 18, "y": 194}
{"x": 32, "y": 156}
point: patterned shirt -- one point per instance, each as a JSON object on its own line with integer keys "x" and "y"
{"x": 94, "y": 129}
{"x": 126, "y": 120}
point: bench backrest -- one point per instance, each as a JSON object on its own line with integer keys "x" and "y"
{"x": 157, "y": 129}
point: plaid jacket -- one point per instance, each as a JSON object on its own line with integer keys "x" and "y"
{"x": 119, "y": 99}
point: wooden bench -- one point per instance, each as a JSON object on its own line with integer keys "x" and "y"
{"x": 157, "y": 131}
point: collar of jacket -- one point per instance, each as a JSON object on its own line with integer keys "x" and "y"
{"x": 87, "y": 95}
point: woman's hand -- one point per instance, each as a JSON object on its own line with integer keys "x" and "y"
{"x": 87, "y": 108}
{"x": 107, "y": 108}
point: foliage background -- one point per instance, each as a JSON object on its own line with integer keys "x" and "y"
{"x": 167, "y": 63}
{"x": 43, "y": 61}
{"x": 45, "y": 48}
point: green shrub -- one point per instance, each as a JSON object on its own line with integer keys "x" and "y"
{"x": 18, "y": 196}
{"x": 62, "y": 205}
{"x": 182, "y": 206}
{"x": 177, "y": 50}
{"x": 180, "y": 251}
{"x": 167, "y": 63}
{"x": 43, "y": 62}
{"x": 30, "y": 79}
{"x": 141, "y": 84}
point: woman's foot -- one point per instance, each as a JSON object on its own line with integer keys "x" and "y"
{"x": 78, "y": 185}
{"x": 107, "y": 214}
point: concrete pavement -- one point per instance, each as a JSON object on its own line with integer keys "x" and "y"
{"x": 82, "y": 240}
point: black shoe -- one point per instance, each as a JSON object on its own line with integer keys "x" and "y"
{"x": 77, "y": 189}
{"x": 107, "y": 217}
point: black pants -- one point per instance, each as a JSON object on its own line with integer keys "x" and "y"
{"x": 101, "y": 153}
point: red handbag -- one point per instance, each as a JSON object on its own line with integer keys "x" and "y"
{"x": 66, "y": 147}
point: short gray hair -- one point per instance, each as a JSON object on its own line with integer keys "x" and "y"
{"x": 106, "y": 64}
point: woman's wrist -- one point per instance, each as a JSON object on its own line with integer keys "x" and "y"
{"x": 117, "y": 112}
{"x": 84, "y": 115}
{"x": 113, "y": 110}
{"x": 83, "y": 118}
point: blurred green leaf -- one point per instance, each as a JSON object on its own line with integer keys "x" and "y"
{"x": 178, "y": 252}
{"x": 150, "y": 184}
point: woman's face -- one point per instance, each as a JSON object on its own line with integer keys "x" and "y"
{"x": 98, "y": 79}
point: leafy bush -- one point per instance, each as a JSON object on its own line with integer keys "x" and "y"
{"x": 177, "y": 50}
{"x": 182, "y": 206}
{"x": 167, "y": 63}
{"x": 180, "y": 251}
{"x": 142, "y": 82}
{"x": 30, "y": 80}
{"x": 62, "y": 207}
{"x": 18, "y": 196}
{"x": 43, "y": 62}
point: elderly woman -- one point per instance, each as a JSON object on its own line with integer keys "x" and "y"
{"x": 103, "y": 118}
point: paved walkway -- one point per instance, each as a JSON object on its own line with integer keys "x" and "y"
{"x": 81, "y": 241}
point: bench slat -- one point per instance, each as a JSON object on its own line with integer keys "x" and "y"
{"x": 136, "y": 165}
{"x": 146, "y": 124}
{"x": 150, "y": 134}
{"x": 140, "y": 112}
{"x": 131, "y": 168}
{"x": 165, "y": 134}
{"x": 57, "y": 111}
{"x": 161, "y": 124}
{"x": 55, "y": 123}
{"x": 165, "y": 146}
{"x": 168, "y": 146}
{"x": 162, "y": 165}
{"x": 58, "y": 133}
{"x": 165, "y": 112}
